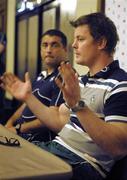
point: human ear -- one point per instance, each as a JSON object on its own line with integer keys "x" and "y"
{"x": 102, "y": 42}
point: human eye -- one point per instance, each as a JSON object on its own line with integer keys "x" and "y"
{"x": 80, "y": 39}
{"x": 44, "y": 45}
{"x": 55, "y": 45}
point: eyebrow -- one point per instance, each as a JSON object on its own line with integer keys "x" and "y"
{"x": 79, "y": 36}
{"x": 53, "y": 42}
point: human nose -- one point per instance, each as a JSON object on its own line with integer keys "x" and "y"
{"x": 48, "y": 48}
{"x": 74, "y": 44}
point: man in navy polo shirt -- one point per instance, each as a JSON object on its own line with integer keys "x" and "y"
{"x": 23, "y": 121}
{"x": 92, "y": 124}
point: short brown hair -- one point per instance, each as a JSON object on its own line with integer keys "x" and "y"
{"x": 100, "y": 26}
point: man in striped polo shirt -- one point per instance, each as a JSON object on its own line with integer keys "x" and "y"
{"x": 92, "y": 124}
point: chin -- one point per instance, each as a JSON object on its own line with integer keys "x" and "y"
{"x": 79, "y": 62}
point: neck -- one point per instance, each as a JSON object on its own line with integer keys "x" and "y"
{"x": 49, "y": 70}
{"x": 102, "y": 62}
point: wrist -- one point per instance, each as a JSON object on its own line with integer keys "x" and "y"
{"x": 8, "y": 125}
{"x": 78, "y": 106}
{"x": 28, "y": 97}
{"x": 18, "y": 128}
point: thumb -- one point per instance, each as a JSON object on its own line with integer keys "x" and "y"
{"x": 27, "y": 77}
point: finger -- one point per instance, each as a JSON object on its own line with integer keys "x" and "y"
{"x": 27, "y": 77}
{"x": 2, "y": 86}
{"x": 8, "y": 78}
{"x": 67, "y": 73}
{"x": 59, "y": 83}
{"x": 77, "y": 78}
{"x": 5, "y": 87}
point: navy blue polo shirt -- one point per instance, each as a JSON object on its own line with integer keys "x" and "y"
{"x": 46, "y": 90}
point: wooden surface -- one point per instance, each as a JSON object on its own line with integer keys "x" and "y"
{"x": 29, "y": 161}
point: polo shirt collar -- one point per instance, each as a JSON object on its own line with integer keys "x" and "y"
{"x": 45, "y": 75}
{"x": 104, "y": 73}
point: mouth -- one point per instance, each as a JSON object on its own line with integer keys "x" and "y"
{"x": 49, "y": 57}
{"x": 77, "y": 54}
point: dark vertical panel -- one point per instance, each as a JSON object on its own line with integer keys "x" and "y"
{"x": 57, "y": 17}
{"x": 103, "y": 6}
{"x": 3, "y": 15}
{"x": 39, "y": 62}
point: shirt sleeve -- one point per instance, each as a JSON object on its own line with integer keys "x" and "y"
{"x": 115, "y": 108}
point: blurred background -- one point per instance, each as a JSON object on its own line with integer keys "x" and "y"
{"x": 24, "y": 21}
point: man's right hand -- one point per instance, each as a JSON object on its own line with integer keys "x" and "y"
{"x": 69, "y": 85}
{"x": 17, "y": 88}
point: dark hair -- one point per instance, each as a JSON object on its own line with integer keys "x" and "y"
{"x": 100, "y": 26}
{"x": 55, "y": 32}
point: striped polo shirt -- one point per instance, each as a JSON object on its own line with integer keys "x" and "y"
{"x": 105, "y": 93}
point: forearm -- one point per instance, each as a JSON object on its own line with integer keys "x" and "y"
{"x": 49, "y": 116}
{"x": 15, "y": 116}
{"x": 25, "y": 127}
{"x": 2, "y": 47}
{"x": 110, "y": 137}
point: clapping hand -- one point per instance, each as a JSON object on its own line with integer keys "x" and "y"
{"x": 69, "y": 84}
{"x": 17, "y": 88}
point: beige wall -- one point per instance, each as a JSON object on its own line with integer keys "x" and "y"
{"x": 85, "y": 7}
{"x": 10, "y": 37}
{"x": 65, "y": 26}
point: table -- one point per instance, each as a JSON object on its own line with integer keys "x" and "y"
{"x": 30, "y": 162}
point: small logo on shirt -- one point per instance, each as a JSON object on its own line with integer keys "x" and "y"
{"x": 92, "y": 99}
{"x": 52, "y": 78}
{"x": 39, "y": 78}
